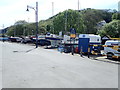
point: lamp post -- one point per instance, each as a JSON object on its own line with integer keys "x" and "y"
{"x": 36, "y": 19}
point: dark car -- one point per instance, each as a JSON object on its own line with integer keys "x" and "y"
{"x": 44, "y": 42}
{"x": 76, "y": 50}
{"x": 4, "y": 38}
{"x": 26, "y": 40}
{"x": 61, "y": 48}
{"x": 13, "y": 39}
{"x": 67, "y": 49}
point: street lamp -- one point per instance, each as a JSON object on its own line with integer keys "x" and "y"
{"x": 36, "y": 19}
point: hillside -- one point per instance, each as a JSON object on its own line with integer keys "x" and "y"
{"x": 84, "y": 21}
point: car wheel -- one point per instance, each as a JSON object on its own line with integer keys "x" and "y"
{"x": 65, "y": 50}
{"x": 109, "y": 55}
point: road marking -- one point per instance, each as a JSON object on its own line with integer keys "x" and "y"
{"x": 104, "y": 58}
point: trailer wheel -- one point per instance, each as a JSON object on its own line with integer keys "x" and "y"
{"x": 109, "y": 55}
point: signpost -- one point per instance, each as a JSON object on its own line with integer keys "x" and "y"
{"x": 72, "y": 33}
{"x": 73, "y": 36}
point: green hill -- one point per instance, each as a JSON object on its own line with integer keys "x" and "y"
{"x": 84, "y": 21}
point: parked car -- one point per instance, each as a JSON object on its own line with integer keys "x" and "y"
{"x": 26, "y": 40}
{"x": 4, "y": 38}
{"x": 61, "y": 48}
{"x": 67, "y": 49}
{"x": 112, "y": 52}
{"x": 14, "y": 39}
{"x": 97, "y": 49}
{"x": 18, "y": 39}
{"x": 43, "y": 42}
{"x": 76, "y": 50}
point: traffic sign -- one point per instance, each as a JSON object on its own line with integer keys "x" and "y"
{"x": 72, "y": 33}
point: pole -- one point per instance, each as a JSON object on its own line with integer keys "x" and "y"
{"x": 36, "y": 19}
{"x": 52, "y": 16}
{"x": 78, "y": 5}
{"x": 3, "y": 32}
{"x": 36, "y": 13}
{"x": 28, "y": 32}
{"x": 81, "y": 51}
{"x": 52, "y": 8}
{"x": 89, "y": 52}
{"x": 65, "y": 22}
{"x": 15, "y": 29}
{"x": 78, "y": 16}
{"x": 73, "y": 46}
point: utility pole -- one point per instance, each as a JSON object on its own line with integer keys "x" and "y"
{"x": 24, "y": 30}
{"x": 3, "y": 26}
{"x": 36, "y": 19}
{"x": 78, "y": 15}
{"x": 52, "y": 8}
{"x": 3, "y": 31}
{"x": 119, "y": 6}
{"x": 28, "y": 33}
{"x": 36, "y": 24}
{"x": 53, "y": 15}
{"x": 78, "y": 5}
{"x": 15, "y": 29}
{"x": 65, "y": 21}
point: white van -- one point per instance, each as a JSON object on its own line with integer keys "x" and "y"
{"x": 94, "y": 39}
{"x": 110, "y": 51}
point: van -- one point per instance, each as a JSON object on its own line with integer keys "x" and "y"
{"x": 112, "y": 52}
{"x": 88, "y": 39}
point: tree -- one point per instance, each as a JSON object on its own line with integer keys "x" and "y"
{"x": 116, "y": 16}
{"x": 48, "y": 28}
{"x": 91, "y": 17}
{"x": 18, "y": 29}
{"x": 84, "y": 21}
{"x": 112, "y": 29}
{"x": 66, "y": 20}
{"x": 20, "y": 22}
{"x": 10, "y": 31}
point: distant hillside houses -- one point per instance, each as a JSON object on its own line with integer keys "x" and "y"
{"x": 101, "y": 24}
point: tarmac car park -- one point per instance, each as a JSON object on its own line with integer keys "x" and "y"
{"x": 67, "y": 48}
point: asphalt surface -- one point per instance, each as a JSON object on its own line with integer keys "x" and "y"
{"x": 23, "y": 66}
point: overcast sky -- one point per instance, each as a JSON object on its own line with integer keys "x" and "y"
{"x": 14, "y": 10}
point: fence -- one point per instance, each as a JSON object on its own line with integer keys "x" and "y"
{"x": 115, "y": 47}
